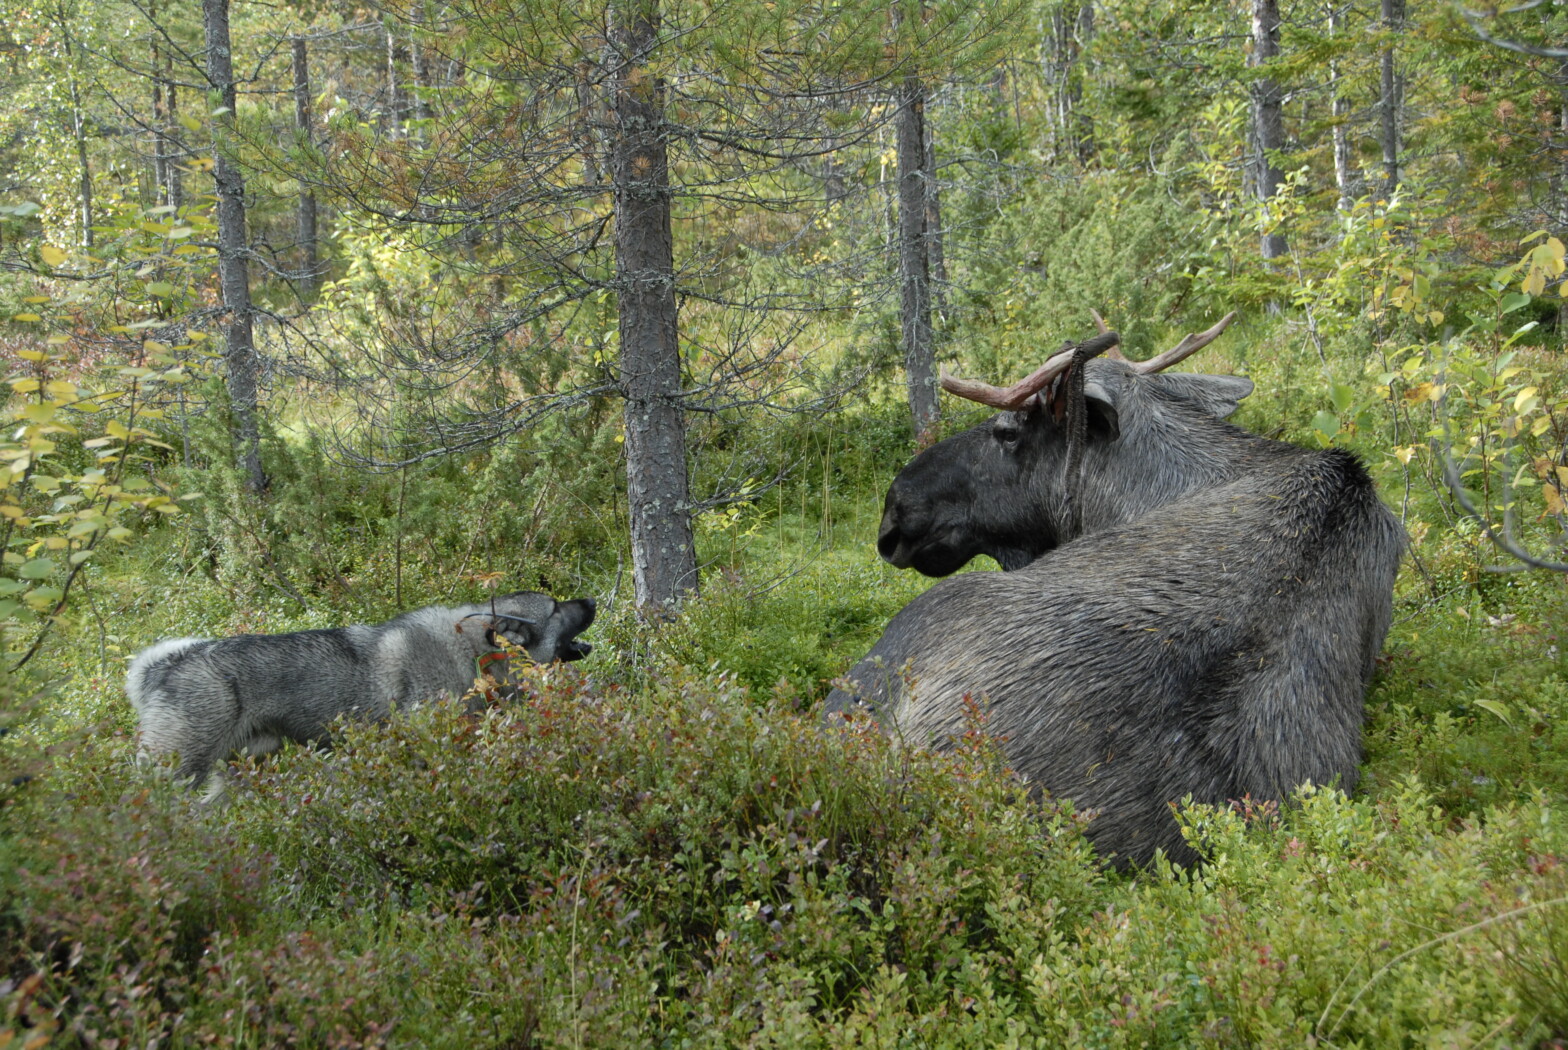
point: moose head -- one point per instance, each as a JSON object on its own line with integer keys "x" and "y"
{"x": 1010, "y": 487}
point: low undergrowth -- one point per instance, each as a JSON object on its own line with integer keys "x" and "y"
{"x": 660, "y": 847}
{"x": 692, "y": 864}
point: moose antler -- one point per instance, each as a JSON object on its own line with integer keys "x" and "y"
{"x": 1015, "y": 397}
{"x": 1190, "y": 344}
{"x": 1187, "y": 347}
{"x": 1113, "y": 353}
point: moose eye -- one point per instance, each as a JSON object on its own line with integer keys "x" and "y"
{"x": 1005, "y": 432}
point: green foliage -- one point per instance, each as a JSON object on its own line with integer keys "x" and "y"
{"x": 75, "y": 467}
{"x": 794, "y": 634}
{"x": 1123, "y": 249}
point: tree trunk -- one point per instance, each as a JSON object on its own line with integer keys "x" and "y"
{"x": 1072, "y": 25}
{"x": 588, "y": 120}
{"x": 936, "y": 253}
{"x": 1268, "y": 119}
{"x": 418, "y": 74}
{"x": 1058, "y": 74}
{"x": 664, "y": 560}
{"x": 1389, "y": 99}
{"x": 1344, "y": 163}
{"x": 84, "y": 190}
{"x": 174, "y": 190}
{"x": 394, "y": 111}
{"x": 914, "y": 273}
{"x": 1559, "y": 184}
{"x": 1083, "y": 128}
{"x": 233, "y": 271}
{"x": 160, "y": 148}
{"x": 309, "y": 276}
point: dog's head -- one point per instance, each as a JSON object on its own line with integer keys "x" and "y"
{"x": 545, "y": 628}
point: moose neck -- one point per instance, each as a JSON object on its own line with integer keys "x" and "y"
{"x": 1161, "y": 457}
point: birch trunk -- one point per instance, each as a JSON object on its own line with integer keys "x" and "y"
{"x": 1344, "y": 165}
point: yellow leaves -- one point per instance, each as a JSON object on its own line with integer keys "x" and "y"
{"x": 1554, "y": 478}
{"x": 1425, "y": 392}
{"x": 51, "y": 255}
{"x": 1543, "y": 263}
{"x": 1405, "y": 454}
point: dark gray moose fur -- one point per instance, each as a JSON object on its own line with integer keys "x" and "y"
{"x": 1211, "y": 631}
{"x": 205, "y": 698}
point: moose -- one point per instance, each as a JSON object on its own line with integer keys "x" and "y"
{"x": 1187, "y": 609}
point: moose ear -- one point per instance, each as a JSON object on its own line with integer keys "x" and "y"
{"x": 1218, "y": 395}
{"x": 1101, "y": 405}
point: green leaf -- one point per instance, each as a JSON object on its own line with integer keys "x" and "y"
{"x": 1514, "y": 301}
{"x": 1497, "y": 708}
{"x": 42, "y": 598}
{"x": 37, "y": 569}
{"x": 1326, "y": 423}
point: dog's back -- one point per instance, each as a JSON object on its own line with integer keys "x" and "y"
{"x": 207, "y": 697}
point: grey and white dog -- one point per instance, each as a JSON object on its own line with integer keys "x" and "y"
{"x": 205, "y": 698}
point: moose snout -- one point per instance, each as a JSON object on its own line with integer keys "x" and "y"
{"x": 890, "y": 542}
